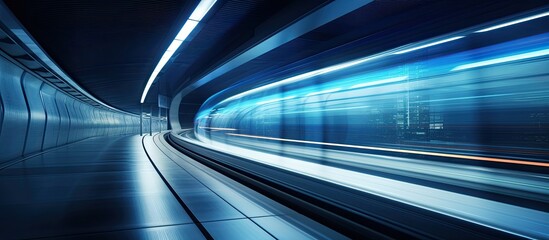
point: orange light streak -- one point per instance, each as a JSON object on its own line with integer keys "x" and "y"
{"x": 469, "y": 157}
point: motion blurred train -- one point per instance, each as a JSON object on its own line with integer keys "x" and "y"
{"x": 483, "y": 91}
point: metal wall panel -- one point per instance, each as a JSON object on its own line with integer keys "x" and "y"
{"x": 133, "y": 125}
{"x": 116, "y": 124}
{"x": 34, "y": 116}
{"x": 136, "y": 125}
{"x": 15, "y": 113}
{"x": 1, "y": 113}
{"x": 127, "y": 124}
{"x": 93, "y": 120}
{"x": 123, "y": 126}
{"x": 111, "y": 127}
{"x": 90, "y": 121}
{"x": 99, "y": 123}
{"x": 69, "y": 102}
{"x": 52, "y": 116}
{"x": 103, "y": 123}
{"x": 87, "y": 127}
{"x": 146, "y": 125}
{"x": 64, "y": 123}
{"x": 78, "y": 110}
{"x": 78, "y": 120}
{"x": 121, "y": 123}
{"x": 74, "y": 111}
{"x": 37, "y": 120}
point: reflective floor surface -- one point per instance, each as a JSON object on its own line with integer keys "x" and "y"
{"x": 101, "y": 187}
{"x": 108, "y": 188}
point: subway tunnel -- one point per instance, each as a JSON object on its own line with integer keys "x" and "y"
{"x": 264, "y": 119}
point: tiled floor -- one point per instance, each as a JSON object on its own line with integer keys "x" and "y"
{"x": 107, "y": 188}
{"x": 226, "y": 208}
{"x": 101, "y": 187}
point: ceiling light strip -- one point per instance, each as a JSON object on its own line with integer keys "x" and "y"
{"x": 190, "y": 24}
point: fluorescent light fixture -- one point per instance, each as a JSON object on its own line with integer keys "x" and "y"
{"x": 514, "y": 22}
{"x": 186, "y": 30}
{"x": 201, "y": 10}
{"x": 197, "y": 15}
{"x": 275, "y": 100}
{"x": 165, "y": 58}
{"x": 379, "y": 82}
{"x": 174, "y": 45}
{"x": 503, "y": 60}
{"x": 324, "y": 92}
{"x": 430, "y": 44}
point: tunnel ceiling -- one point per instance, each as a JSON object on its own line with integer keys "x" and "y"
{"x": 111, "y": 47}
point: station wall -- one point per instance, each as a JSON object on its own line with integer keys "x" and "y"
{"x": 35, "y": 116}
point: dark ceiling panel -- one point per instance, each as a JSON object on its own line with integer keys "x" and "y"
{"x": 108, "y": 47}
{"x": 111, "y": 47}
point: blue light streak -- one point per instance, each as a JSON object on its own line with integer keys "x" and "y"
{"x": 517, "y": 57}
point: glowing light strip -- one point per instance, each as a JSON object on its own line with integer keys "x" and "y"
{"x": 379, "y": 82}
{"x": 186, "y": 30}
{"x": 214, "y": 128}
{"x": 323, "y": 92}
{"x": 468, "y": 157}
{"x": 324, "y": 110}
{"x": 492, "y": 214}
{"x": 514, "y": 22}
{"x": 275, "y": 100}
{"x": 503, "y": 60}
{"x": 199, "y": 12}
{"x": 304, "y": 76}
{"x": 430, "y": 44}
{"x": 330, "y": 69}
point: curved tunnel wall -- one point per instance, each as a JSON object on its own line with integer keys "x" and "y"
{"x": 34, "y": 116}
{"x": 475, "y": 93}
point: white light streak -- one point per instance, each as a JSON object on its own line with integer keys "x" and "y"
{"x": 517, "y": 57}
{"x": 514, "y": 22}
{"x": 323, "y": 92}
{"x": 501, "y": 216}
{"x": 430, "y": 44}
{"x": 437, "y": 154}
{"x": 220, "y": 129}
{"x": 380, "y": 82}
{"x": 186, "y": 30}
{"x": 275, "y": 100}
{"x": 175, "y": 45}
{"x": 304, "y": 76}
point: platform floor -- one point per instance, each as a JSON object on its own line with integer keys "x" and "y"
{"x": 107, "y": 188}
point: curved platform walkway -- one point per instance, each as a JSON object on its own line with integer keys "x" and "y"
{"x": 108, "y": 188}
